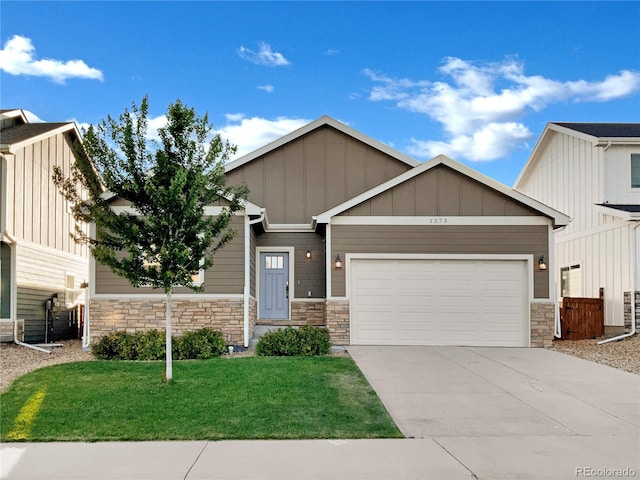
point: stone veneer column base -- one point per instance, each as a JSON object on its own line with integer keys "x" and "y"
{"x": 337, "y": 321}
{"x": 140, "y": 315}
{"x": 627, "y": 310}
{"x": 542, "y": 324}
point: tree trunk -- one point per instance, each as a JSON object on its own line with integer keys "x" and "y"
{"x": 169, "y": 358}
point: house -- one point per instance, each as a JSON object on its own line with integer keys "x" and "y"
{"x": 41, "y": 267}
{"x": 343, "y": 231}
{"x": 591, "y": 171}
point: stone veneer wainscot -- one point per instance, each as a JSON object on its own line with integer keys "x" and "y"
{"x": 140, "y": 315}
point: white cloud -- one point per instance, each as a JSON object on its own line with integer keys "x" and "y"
{"x": 249, "y": 134}
{"x": 267, "y": 88}
{"x": 493, "y": 141}
{"x": 32, "y": 117}
{"x": 480, "y": 106}
{"x": 264, "y": 56}
{"x": 17, "y": 58}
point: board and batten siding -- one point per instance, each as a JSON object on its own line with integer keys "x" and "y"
{"x": 617, "y": 175}
{"x": 573, "y": 176}
{"x": 568, "y": 177}
{"x": 440, "y": 192}
{"x": 36, "y": 212}
{"x": 225, "y": 277}
{"x": 442, "y": 239}
{"x": 310, "y": 273}
{"x": 314, "y": 173}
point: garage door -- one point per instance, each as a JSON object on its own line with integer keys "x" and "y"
{"x": 439, "y": 302}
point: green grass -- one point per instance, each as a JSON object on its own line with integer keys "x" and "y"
{"x": 240, "y": 398}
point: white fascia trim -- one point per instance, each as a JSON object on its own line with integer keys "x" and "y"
{"x": 614, "y": 212}
{"x": 562, "y": 238}
{"x": 289, "y": 227}
{"x": 16, "y": 112}
{"x": 324, "y": 120}
{"x": 609, "y": 141}
{"x": 559, "y": 218}
{"x": 440, "y": 221}
{"x": 174, "y": 296}
{"x": 292, "y": 256}
{"x": 67, "y": 127}
{"x": 328, "y": 258}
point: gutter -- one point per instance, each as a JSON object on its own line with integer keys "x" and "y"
{"x": 247, "y": 269}
{"x": 14, "y": 296}
{"x": 634, "y": 262}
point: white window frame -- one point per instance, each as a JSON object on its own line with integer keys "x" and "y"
{"x": 568, "y": 268}
{"x": 631, "y": 169}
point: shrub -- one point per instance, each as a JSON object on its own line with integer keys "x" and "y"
{"x": 314, "y": 341}
{"x": 306, "y": 341}
{"x": 201, "y": 344}
{"x": 151, "y": 345}
{"x": 115, "y": 346}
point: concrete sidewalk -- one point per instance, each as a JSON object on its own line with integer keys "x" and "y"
{"x": 238, "y": 460}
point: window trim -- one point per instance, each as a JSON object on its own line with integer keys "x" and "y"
{"x": 631, "y": 171}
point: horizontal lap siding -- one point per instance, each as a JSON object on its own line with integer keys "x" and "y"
{"x": 459, "y": 239}
{"x": 225, "y": 277}
{"x": 309, "y": 272}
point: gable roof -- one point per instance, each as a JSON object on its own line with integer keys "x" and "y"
{"x": 559, "y": 219}
{"x": 598, "y": 134}
{"x": 21, "y": 135}
{"x": 320, "y": 122}
{"x": 626, "y": 212}
{"x": 604, "y": 130}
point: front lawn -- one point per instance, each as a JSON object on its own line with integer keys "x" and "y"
{"x": 239, "y": 398}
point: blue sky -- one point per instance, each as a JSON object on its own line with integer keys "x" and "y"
{"x": 477, "y": 81}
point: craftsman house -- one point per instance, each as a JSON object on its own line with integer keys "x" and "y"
{"x": 342, "y": 231}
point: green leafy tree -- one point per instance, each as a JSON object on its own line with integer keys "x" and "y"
{"x": 166, "y": 239}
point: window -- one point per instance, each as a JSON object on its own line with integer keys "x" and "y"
{"x": 272, "y": 262}
{"x": 635, "y": 170}
{"x": 570, "y": 281}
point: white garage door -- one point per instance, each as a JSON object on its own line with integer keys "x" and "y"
{"x": 439, "y": 302}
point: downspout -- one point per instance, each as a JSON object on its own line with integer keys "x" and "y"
{"x": 634, "y": 263}
{"x": 14, "y": 296}
{"x": 247, "y": 269}
{"x": 86, "y": 341}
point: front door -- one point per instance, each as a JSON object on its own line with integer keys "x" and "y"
{"x": 274, "y": 285}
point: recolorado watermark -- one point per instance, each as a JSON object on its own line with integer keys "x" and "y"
{"x": 605, "y": 472}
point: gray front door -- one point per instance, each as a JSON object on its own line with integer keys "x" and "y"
{"x": 274, "y": 285}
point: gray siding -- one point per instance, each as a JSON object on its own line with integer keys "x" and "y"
{"x": 438, "y": 192}
{"x": 313, "y": 174}
{"x": 309, "y": 272}
{"x": 225, "y": 277}
{"x": 459, "y": 239}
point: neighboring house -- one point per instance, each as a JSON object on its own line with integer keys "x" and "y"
{"x": 591, "y": 171}
{"x": 341, "y": 230}
{"x": 39, "y": 261}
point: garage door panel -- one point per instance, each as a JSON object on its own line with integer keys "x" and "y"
{"x": 439, "y": 302}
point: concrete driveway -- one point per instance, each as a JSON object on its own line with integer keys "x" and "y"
{"x": 511, "y": 412}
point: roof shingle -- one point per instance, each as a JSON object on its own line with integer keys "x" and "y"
{"x": 605, "y": 130}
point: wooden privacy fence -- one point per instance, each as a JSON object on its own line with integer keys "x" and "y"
{"x": 582, "y": 318}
